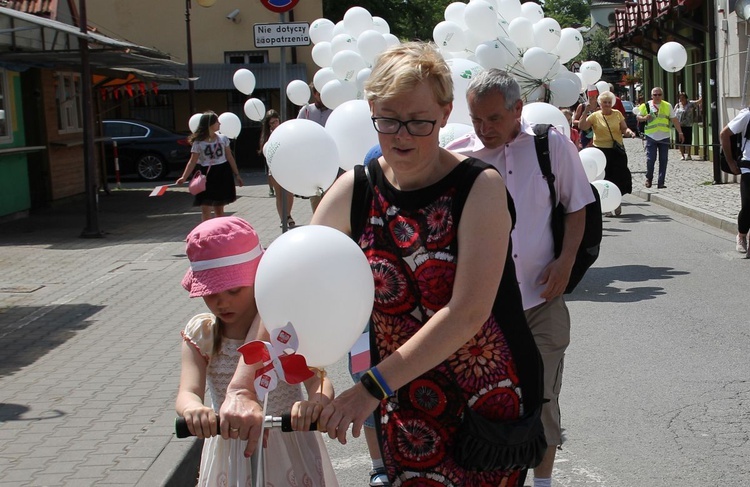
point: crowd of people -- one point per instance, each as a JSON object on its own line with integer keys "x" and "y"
{"x": 473, "y": 213}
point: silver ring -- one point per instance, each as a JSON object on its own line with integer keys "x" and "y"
{"x": 234, "y": 429}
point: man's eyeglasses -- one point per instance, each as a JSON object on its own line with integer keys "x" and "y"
{"x": 417, "y": 128}
{"x": 656, "y": 94}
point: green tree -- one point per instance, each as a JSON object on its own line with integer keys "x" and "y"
{"x": 408, "y": 19}
{"x": 598, "y": 48}
{"x": 568, "y": 13}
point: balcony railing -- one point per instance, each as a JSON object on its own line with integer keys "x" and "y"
{"x": 641, "y": 13}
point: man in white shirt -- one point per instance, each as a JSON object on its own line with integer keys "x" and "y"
{"x": 505, "y": 140}
{"x": 738, "y": 125}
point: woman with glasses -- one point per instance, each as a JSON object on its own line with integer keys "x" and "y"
{"x": 447, "y": 326}
{"x": 447, "y": 330}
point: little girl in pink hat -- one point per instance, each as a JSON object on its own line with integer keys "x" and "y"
{"x": 224, "y": 254}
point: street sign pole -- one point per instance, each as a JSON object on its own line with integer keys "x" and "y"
{"x": 282, "y": 97}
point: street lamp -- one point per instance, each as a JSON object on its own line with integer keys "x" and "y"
{"x": 191, "y": 85}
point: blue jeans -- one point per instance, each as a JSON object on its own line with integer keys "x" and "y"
{"x": 651, "y": 148}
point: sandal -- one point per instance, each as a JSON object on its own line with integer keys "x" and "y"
{"x": 378, "y": 478}
{"x": 648, "y": 183}
{"x": 290, "y": 222}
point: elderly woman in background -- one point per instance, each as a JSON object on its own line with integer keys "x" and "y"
{"x": 609, "y": 128}
{"x": 447, "y": 326}
{"x": 687, "y": 112}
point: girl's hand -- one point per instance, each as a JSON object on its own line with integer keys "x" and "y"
{"x": 201, "y": 421}
{"x": 181, "y": 180}
{"x": 304, "y": 413}
{"x": 238, "y": 180}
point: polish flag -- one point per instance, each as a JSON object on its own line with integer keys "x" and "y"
{"x": 361, "y": 353}
{"x": 159, "y": 190}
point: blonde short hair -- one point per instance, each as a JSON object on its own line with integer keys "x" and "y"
{"x": 606, "y": 95}
{"x": 399, "y": 69}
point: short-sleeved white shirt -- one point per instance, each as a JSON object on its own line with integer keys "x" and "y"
{"x": 533, "y": 245}
{"x": 211, "y": 153}
{"x": 738, "y": 126}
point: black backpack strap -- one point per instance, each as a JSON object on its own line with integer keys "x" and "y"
{"x": 360, "y": 205}
{"x": 541, "y": 142}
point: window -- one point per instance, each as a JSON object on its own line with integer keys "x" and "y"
{"x": 69, "y": 112}
{"x": 246, "y": 57}
{"x": 6, "y": 136}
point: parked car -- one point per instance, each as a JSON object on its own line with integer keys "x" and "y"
{"x": 630, "y": 117}
{"x": 145, "y": 149}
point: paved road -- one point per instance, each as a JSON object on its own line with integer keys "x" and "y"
{"x": 89, "y": 329}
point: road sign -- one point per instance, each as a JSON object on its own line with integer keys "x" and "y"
{"x": 282, "y": 34}
{"x": 279, "y": 6}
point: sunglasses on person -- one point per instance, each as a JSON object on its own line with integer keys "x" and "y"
{"x": 657, "y": 94}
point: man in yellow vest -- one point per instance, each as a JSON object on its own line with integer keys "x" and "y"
{"x": 657, "y": 114}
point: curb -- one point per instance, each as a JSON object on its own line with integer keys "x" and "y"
{"x": 707, "y": 217}
{"x": 176, "y": 466}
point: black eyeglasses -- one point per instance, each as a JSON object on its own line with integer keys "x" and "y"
{"x": 417, "y": 128}
{"x": 657, "y": 94}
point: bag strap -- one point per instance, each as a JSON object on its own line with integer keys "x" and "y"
{"x": 610, "y": 130}
{"x": 541, "y": 142}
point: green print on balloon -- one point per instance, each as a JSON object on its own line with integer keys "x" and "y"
{"x": 467, "y": 74}
{"x": 271, "y": 149}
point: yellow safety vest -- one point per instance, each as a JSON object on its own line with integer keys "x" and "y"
{"x": 661, "y": 122}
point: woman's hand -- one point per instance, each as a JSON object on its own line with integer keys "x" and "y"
{"x": 201, "y": 421}
{"x": 238, "y": 180}
{"x": 241, "y": 417}
{"x": 181, "y": 180}
{"x": 352, "y": 407}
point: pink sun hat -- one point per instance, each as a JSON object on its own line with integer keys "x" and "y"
{"x": 224, "y": 253}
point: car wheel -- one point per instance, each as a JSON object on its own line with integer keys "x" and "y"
{"x": 151, "y": 167}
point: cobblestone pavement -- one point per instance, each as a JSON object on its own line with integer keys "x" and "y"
{"x": 89, "y": 328}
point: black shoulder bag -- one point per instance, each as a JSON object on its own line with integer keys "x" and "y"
{"x": 588, "y": 251}
{"x": 737, "y": 143}
{"x": 483, "y": 444}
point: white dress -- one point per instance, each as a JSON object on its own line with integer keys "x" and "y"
{"x": 291, "y": 459}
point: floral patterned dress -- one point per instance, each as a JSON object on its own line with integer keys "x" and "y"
{"x": 491, "y": 373}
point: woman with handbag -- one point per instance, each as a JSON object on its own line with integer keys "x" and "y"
{"x": 605, "y": 124}
{"x": 450, "y": 342}
{"x": 216, "y": 173}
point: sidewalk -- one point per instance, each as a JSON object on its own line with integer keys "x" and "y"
{"x": 89, "y": 328}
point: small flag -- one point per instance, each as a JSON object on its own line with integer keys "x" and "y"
{"x": 361, "y": 353}
{"x": 159, "y": 190}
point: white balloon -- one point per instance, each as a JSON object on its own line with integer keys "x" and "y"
{"x": 194, "y": 121}
{"x": 329, "y": 316}
{"x": 453, "y": 131}
{"x": 362, "y": 77}
{"x": 231, "y": 125}
{"x": 449, "y": 35}
{"x": 480, "y": 18}
{"x": 574, "y": 77}
{"x": 539, "y": 112}
{"x": 462, "y": 72}
{"x": 602, "y": 86}
{"x": 244, "y": 80}
{"x": 455, "y": 13}
{"x": 346, "y": 64}
{"x": 336, "y": 92}
{"x": 672, "y": 56}
{"x": 343, "y": 42}
{"x": 509, "y": 9}
{"x": 321, "y": 54}
{"x": 597, "y": 156}
{"x": 321, "y": 77}
{"x": 357, "y": 20}
{"x": 591, "y": 72}
{"x": 371, "y": 43}
{"x": 547, "y": 33}
{"x": 536, "y": 93}
{"x": 521, "y": 32}
{"x": 351, "y": 128}
{"x": 609, "y": 193}
{"x": 255, "y": 109}
{"x": 391, "y": 40}
{"x": 570, "y": 45}
{"x": 532, "y": 11}
{"x": 564, "y": 92}
{"x": 380, "y": 25}
{"x": 302, "y": 156}
{"x": 589, "y": 167}
{"x": 580, "y": 80}
{"x": 493, "y": 54}
{"x": 538, "y": 62}
{"x": 298, "y": 92}
{"x": 338, "y": 28}
{"x": 321, "y": 30}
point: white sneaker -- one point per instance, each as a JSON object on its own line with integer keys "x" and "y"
{"x": 742, "y": 243}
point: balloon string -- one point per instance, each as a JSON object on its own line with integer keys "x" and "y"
{"x": 716, "y": 58}
{"x": 321, "y": 376}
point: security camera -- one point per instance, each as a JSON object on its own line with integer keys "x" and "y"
{"x": 233, "y": 15}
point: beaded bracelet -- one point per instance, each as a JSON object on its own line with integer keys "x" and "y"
{"x": 371, "y": 385}
{"x": 381, "y": 382}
